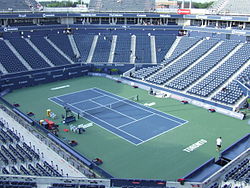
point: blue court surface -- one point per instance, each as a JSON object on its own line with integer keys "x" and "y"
{"x": 125, "y": 118}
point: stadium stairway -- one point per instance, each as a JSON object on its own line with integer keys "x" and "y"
{"x": 2, "y": 69}
{"x": 39, "y": 52}
{"x": 133, "y": 47}
{"x": 73, "y": 45}
{"x": 22, "y": 60}
{"x": 92, "y": 49}
{"x": 173, "y": 47}
{"x": 196, "y": 62}
{"x": 215, "y": 68}
{"x": 153, "y": 50}
{"x": 59, "y": 50}
{"x": 112, "y": 49}
{"x": 173, "y": 62}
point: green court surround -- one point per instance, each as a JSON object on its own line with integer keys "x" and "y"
{"x": 160, "y": 158}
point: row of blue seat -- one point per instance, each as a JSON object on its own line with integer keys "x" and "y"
{"x": 51, "y": 53}
{"x": 224, "y": 72}
{"x": 62, "y": 41}
{"x": 184, "y": 62}
{"x": 232, "y": 92}
{"x": 239, "y": 171}
{"x": 28, "y": 53}
{"x": 31, "y": 151}
{"x": 205, "y": 65}
{"x": 102, "y": 49}
{"x": 9, "y": 61}
{"x": 122, "y": 49}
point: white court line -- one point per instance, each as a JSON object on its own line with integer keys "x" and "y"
{"x": 59, "y": 99}
{"x": 151, "y": 138}
{"x": 147, "y": 110}
{"x": 138, "y": 104}
{"x": 100, "y": 125}
{"x": 113, "y": 109}
{"x": 74, "y": 92}
{"x": 135, "y": 121}
{"x": 88, "y": 99}
{"x": 107, "y": 123}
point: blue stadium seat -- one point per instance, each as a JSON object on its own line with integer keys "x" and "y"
{"x": 123, "y": 48}
{"x": 49, "y": 51}
{"x": 28, "y": 53}
{"x": 143, "y": 49}
{"x": 196, "y": 72}
{"x": 207, "y": 86}
{"x": 10, "y": 62}
{"x": 102, "y": 49}
{"x": 84, "y": 43}
{"x": 62, "y": 42}
{"x": 163, "y": 43}
{"x": 232, "y": 92}
{"x": 180, "y": 65}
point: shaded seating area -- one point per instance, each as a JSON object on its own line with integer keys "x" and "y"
{"x": 143, "y": 49}
{"x": 28, "y": 53}
{"x": 102, "y": 49}
{"x": 123, "y": 48}
{"x": 83, "y": 43}
{"x": 51, "y": 53}
{"x": 163, "y": 43}
{"x": 9, "y": 61}
{"x": 63, "y": 43}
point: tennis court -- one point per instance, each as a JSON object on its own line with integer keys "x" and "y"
{"x": 123, "y": 117}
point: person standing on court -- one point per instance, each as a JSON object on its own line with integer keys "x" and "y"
{"x": 218, "y": 144}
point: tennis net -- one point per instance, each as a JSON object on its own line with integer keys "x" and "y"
{"x": 113, "y": 105}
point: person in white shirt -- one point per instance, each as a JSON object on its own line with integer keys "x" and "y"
{"x": 218, "y": 144}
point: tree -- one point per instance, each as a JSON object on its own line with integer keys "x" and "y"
{"x": 202, "y": 5}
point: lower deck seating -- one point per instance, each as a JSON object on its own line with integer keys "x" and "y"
{"x": 50, "y": 52}
{"x": 181, "y": 64}
{"x": 232, "y": 92}
{"x": 183, "y": 45}
{"x": 162, "y": 44}
{"x": 123, "y": 49}
{"x": 102, "y": 49}
{"x": 9, "y": 61}
{"x": 224, "y": 72}
{"x": 62, "y": 42}
{"x": 145, "y": 72}
{"x": 143, "y": 49}
{"x": 84, "y": 43}
{"x": 205, "y": 65}
{"x": 28, "y": 53}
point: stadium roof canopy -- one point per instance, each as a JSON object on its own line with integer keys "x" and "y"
{"x": 231, "y": 7}
{"x": 122, "y": 5}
